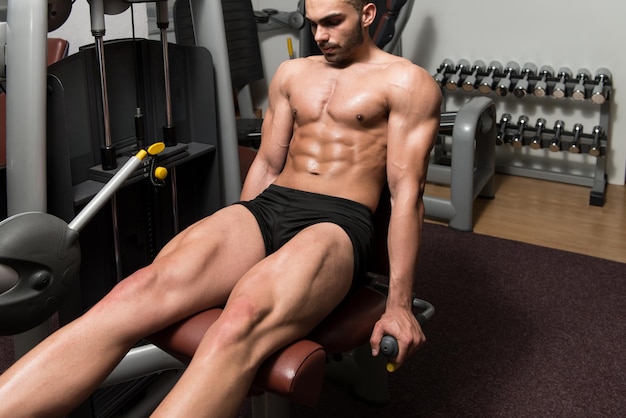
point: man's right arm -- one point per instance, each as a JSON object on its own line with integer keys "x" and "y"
{"x": 276, "y": 134}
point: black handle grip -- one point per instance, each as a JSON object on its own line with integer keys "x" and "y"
{"x": 389, "y": 346}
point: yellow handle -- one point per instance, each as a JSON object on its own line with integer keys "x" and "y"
{"x": 290, "y": 49}
{"x": 160, "y": 173}
{"x": 156, "y": 148}
{"x": 141, "y": 154}
{"x": 391, "y": 367}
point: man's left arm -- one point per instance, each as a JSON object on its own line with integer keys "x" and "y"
{"x": 414, "y": 109}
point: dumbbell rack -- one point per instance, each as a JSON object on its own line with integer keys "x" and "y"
{"x": 535, "y": 138}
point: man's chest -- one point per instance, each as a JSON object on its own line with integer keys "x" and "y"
{"x": 347, "y": 99}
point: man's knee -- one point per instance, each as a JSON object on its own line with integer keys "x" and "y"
{"x": 141, "y": 282}
{"x": 132, "y": 296}
{"x": 239, "y": 330}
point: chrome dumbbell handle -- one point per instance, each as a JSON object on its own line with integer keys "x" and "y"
{"x": 541, "y": 87}
{"x": 445, "y": 66}
{"x": 504, "y": 122}
{"x": 555, "y": 143}
{"x": 574, "y": 147}
{"x": 486, "y": 84}
{"x": 521, "y": 88}
{"x": 560, "y": 90}
{"x": 454, "y": 80}
{"x": 504, "y": 85}
{"x": 594, "y": 148}
{"x": 598, "y": 96}
{"x": 578, "y": 92}
{"x": 469, "y": 84}
{"x": 535, "y": 141}
{"x": 518, "y": 139}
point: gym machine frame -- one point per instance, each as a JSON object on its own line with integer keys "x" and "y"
{"x": 26, "y": 136}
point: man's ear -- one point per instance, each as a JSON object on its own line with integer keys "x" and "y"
{"x": 369, "y": 14}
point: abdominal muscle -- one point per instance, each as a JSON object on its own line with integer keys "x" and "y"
{"x": 347, "y": 163}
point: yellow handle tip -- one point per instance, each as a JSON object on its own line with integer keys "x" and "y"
{"x": 156, "y": 148}
{"x": 290, "y": 48}
{"x": 160, "y": 173}
{"x": 391, "y": 367}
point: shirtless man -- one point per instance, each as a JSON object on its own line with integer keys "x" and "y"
{"x": 338, "y": 126}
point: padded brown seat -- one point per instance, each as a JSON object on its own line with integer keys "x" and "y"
{"x": 296, "y": 371}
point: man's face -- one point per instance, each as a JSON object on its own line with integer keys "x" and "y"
{"x": 336, "y": 27}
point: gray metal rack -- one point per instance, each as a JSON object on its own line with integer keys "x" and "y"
{"x": 567, "y": 92}
{"x": 470, "y": 170}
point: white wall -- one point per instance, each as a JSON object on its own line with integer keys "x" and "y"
{"x": 560, "y": 33}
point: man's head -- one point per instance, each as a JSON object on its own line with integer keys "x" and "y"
{"x": 340, "y": 27}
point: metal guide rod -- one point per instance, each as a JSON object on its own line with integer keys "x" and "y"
{"x": 105, "y": 95}
{"x": 163, "y": 23}
{"x": 98, "y": 30}
{"x": 108, "y": 153}
{"x": 169, "y": 132}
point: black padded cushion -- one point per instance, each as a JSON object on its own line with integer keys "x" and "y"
{"x": 242, "y": 38}
{"x": 384, "y": 27}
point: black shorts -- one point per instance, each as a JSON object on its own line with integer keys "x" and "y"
{"x": 283, "y": 212}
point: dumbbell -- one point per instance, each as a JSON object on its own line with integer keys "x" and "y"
{"x": 444, "y": 67}
{"x": 559, "y": 91}
{"x": 597, "y": 94}
{"x": 504, "y": 85}
{"x": 504, "y": 122}
{"x": 518, "y": 139}
{"x": 541, "y": 87}
{"x": 555, "y": 144}
{"x": 574, "y": 147}
{"x": 486, "y": 84}
{"x": 521, "y": 88}
{"x": 579, "y": 93}
{"x": 453, "y": 81}
{"x": 469, "y": 84}
{"x": 594, "y": 148}
{"x": 535, "y": 141}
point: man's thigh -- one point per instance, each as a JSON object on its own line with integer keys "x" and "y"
{"x": 197, "y": 270}
{"x": 301, "y": 283}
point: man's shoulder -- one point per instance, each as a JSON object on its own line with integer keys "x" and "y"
{"x": 295, "y": 67}
{"x": 412, "y": 79}
{"x": 407, "y": 67}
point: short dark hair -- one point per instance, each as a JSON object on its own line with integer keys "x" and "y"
{"x": 357, "y": 4}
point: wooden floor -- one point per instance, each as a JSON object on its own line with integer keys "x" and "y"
{"x": 552, "y": 214}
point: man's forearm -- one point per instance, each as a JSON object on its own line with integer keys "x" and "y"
{"x": 405, "y": 231}
{"x": 257, "y": 180}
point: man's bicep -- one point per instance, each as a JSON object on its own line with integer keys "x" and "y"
{"x": 413, "y": 125}
{"x": 410, "y": 140}
{"x": 278, "y": 123}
